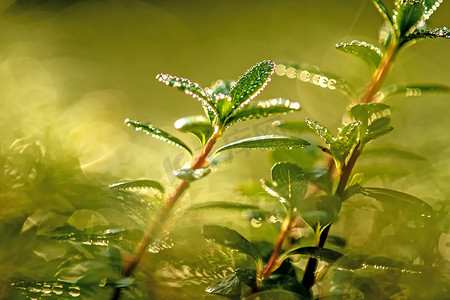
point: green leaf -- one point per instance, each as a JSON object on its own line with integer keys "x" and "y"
{"x": 191, "y": 174}
{"x": 374, "y": 134}
{"x": 322, "y": 254}
{"x": 395, "y": 197}
{"x": 199, "y": 126}
{"x": 365, "y": 51}
{"x": 321, "y": 178}
{"x": 407, "y": 14}
{"x": 137, "y": 184}
{"x": 229, "y": 287}
{"x": 412, "y": 90}
{"x": 289, "y": 184}
{"x": 104, "y": 239}
{"x": 311, "y": 74}
{"x": 261, "y": 109}
{"x": 158, "y": 133}
{"x": 266, "y": 142}
{"x": 321, "y": 131}
{"x": 382, "y": 10}
{"x": 318, "y": 212}
{"x": 435, "y": 33}
{"x": 341, "y": 145}
{"x": 367, "y": 112}
{"x": 229, "y": 238}
{"x": 251, "y": 84}
{"x": 193, "y": 89}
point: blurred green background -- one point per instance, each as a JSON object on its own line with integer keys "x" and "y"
{"x": 72, "y": 71}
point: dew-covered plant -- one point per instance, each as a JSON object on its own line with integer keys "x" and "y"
{"x": 311, "y": 195}
{"x": 224, "y": 103}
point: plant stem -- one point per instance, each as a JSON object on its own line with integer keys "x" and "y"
{"x": 156, "y": 227}
{"x": 309, "y": 276}
{"x": 380, "y": 74}
{"x": 272, "y": 264}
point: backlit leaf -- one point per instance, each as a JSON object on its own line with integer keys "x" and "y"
{"x": 320, "y": 178}
{"x": 365, "y": 51}
{"x": 321, "y": 131}
{"x": 368, "y": 112}
{"x": 318, "y": 212}
{"x": 382, "y": 10}
{"x": 288, "y": 184}
{"x": 323, "y": 254}
{"x": 193, "y": 89}
{"x": 199, "y": 126}
{"x": 388, "y": 196}
{"x": 407, "y": 14}
{"x": 435, "y": 33}
{"x": 137, "y": 184}
{"x": 341, "y": 145}
{"x": 229, "y": 287}
{"x": 158, "y": 133}
{"x": 229, "y": 238}
{"x": 260, "y": 109}
{"x": 266, "y": 142}
{"x": 412, "y": 90}
{"x": 251, "y": 84}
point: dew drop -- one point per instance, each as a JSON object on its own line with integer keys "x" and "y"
{"x": 256, "y": 222}
{"x": 74, "y": 291}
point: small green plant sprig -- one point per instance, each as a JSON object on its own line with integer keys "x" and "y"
{"x": 224, "y": 104}
{"x": 314, "y": 196}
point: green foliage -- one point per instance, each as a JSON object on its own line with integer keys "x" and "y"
{"x": 158, "y": 133}
{"x": 266, "y": 142}
{"x": 199, "y": 126}
{"x": 320, "y": 211}
{"x": 137, "y": 184}
{"x": 382, "y": 10}
{"x": 250, "y": 85}
{"x": 260, "y": 109}
{"x": 229, "y": 238}
{"x": 341, "y": 145}
{"x": 374, "y": 119}
{"x": 288, "y": 184}
{"x": 407, "y": 15}
{"x": 435, "y": 33}
{"x": 398, "y": 198}
{"x": 229, "y": 287}
{"x": 365, "y": 51}
{"x": 412, "y": 90}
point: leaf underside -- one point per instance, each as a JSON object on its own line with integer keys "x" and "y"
{"x": 261, "y": 109}
{"x": 137, "y": 184}
{"x": 266, "y": 142}
{"x": 229, "y": 238}
{"x": 158, "y": 133}
{"x": 365, "y": 51}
